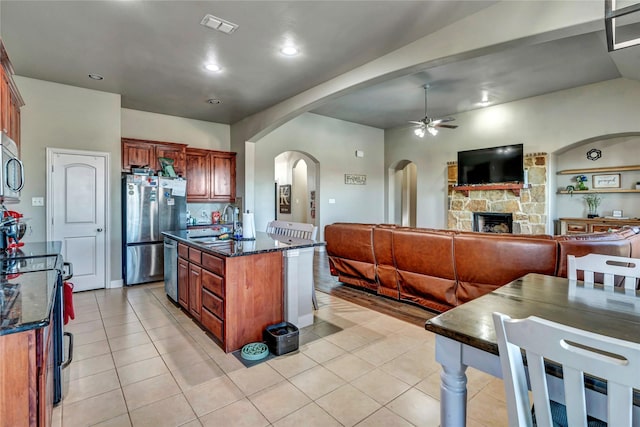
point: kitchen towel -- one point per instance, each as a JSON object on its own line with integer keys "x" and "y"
{"x": 248, "y": 226}
{"x": 68, "y": 311}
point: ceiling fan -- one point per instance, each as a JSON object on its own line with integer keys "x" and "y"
{"x": 429, "y": 124}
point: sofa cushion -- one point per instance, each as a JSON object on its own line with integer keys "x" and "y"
{"x": 424, "y": 261}
{"x": 350, "y": 251}
{"x": 385, "y": 266}
{"x": 487, "y": 261}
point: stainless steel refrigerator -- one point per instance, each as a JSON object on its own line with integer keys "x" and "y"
{"x": 150, "y": 205}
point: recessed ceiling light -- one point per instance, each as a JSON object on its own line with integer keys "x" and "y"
{"x": 289, "y": 51}
{"x": 96, "y": 76}
{"x": 213, "y": 67}
{"x": 214, "y": 101}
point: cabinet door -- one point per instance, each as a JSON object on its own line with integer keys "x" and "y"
{"x": 223, "y": 177}
{"x": 138, "y": 154}
{"x": 604, "y": 228}
{"x": 195, "y": 290}
{"x": 177, "y": 154}
{"x": 14, "y": 120}
{"x": 197, "y": 175}
{"x": 5, "y": 100}
{"x": 183, "y": 283}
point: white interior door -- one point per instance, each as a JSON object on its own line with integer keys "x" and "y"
{"x": 76, "y": 207}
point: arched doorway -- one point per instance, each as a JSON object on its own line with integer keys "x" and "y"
{"x": 403, "y": 179}
{"x": 296, "y": 189}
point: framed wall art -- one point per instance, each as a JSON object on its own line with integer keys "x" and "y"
{"x": 611, "y": 180}
{"x": 284, "y": 198}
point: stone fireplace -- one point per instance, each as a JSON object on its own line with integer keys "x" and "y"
{"x": 491, "y": 222}
{"x": 527, "y": 207}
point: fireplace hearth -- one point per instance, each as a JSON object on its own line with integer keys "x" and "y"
{"x": 491, "y": 222}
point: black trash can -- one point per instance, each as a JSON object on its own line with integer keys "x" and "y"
{"x": 281, "y": 338}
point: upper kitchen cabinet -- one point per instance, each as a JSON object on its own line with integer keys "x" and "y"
{"x": 211, "y": 176}
{"x": 10, "y": 99}
{"x": 139, "y": 152}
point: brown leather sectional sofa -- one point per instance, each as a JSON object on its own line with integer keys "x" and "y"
{"x": 440, "y": 269}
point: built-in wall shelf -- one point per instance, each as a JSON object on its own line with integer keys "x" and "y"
{"x": 600, "y": 170}
{"x": 465, "y": 189}
{"x": 604, "y": 190}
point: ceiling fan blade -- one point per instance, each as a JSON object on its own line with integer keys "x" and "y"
{"x": 440, "y": 125}
{"x": 417, "y": 123}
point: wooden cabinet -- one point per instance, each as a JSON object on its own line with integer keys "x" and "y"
{"x": 195, "y": 290}
{"x": 211, "y": 175}
{"x": 26, "y": 369}
{"x": 140, "y": 152}
{"x": 183, "y": 283}
{"x": 233, "y": 298}
{"x": 10, "y": 99}
{"x": 198, "y": 182}
{"x": 594, "y": 225}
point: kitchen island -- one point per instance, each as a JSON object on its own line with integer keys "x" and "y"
{"x": 236, "y": 288}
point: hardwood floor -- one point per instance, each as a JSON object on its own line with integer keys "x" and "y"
{"x": 325, "y": 282}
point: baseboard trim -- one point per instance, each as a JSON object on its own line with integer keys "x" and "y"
{"x": 115, "y": 284}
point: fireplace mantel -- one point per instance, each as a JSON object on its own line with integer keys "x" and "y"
{"x": 465, "y": 189}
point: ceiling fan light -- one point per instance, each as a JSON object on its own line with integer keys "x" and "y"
{"x": 433, "y": 131}
{"x": 419, "y": 132}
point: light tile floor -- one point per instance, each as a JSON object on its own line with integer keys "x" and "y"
{"x": 140, "y": 361}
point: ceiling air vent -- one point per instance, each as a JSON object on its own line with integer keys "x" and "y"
{"x": 219, "y": 24}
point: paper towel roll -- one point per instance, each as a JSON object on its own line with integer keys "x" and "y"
{"x": 248, "y": 226}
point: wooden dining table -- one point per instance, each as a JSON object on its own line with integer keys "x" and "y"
{"x": 465, "y": 335}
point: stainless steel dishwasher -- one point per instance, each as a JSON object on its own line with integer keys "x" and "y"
{"x": 171, "y": 268}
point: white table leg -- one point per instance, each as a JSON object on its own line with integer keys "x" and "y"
{"x": 453, "y": 383}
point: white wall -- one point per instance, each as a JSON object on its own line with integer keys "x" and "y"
{"x": 62, "y": 116}
{"x": 545, "y": 123}
{"x": 161, "y": 127}
{"x": 333, "y": 144}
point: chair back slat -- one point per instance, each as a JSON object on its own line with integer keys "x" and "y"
{"x": 610, "y": 266}
{"x": 579, "y": 352}
{"x": 297, "y": 230}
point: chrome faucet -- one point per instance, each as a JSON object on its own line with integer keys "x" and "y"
{"x": 234, "y": 214}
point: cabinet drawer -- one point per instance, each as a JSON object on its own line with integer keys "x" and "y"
{"x": 183, "y": 250}
{"x": 212, "y": 324}
{"x": 576, "y": 228}
{"x": 604, "y": 228}
{"x": 213, "y": 263}
{"x": 213, "y": 283}
{"x": 212, "y": 303}
{"x": 195, "y": 255}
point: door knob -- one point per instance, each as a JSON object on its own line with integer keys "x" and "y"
{"x": 99, "y": 230}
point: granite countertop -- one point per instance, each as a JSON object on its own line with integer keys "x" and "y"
{"x": 230, "y": 248}
{"x": 27, "y": 298}
{"x": 26, "y": 301}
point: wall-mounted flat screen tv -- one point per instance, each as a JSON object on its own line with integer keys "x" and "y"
{"x": 491, "y": 165}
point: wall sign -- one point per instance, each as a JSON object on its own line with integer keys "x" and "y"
{"x": 606, "y": 181}
{"x": 350, "y": 178}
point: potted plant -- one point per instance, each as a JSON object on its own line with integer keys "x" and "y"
{"x": 593, "y": 201}
{"x": 581, "y": 179}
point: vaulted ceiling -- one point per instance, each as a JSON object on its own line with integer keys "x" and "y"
{"x": 153, "y": 53}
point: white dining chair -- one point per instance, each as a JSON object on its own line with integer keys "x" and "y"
{"x": 610, "y": 266}
{"x": 298, "y": 230}
{"x": 579, "y": 352}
